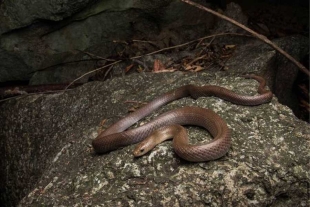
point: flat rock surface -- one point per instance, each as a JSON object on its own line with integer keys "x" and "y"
{"x": 48, "y": 157}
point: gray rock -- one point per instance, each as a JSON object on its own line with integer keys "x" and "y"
{"x": 100, "y": 27}
{"x": 16, "y": 14}
{"x": 12, "y": 67}
{"x": 234, "y": 12}
{"x": 281, "y": 73}
{"x": 286, "y": 72}
{"x": 47, "y": 156}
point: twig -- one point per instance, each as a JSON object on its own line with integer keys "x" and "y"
{"x": 140, "y": 63}
{"x": 107, "y": 72}
{"x": 187, "y": 43}
{"x": 63, "y": 63}
{"x": 255, "y": 34}
{"x": 157, "y": 51}
{"x": 30, "y": 94}
{"x": 146, "y": 41}
{"x": 92, "y": 72}
{"x": 95, "y": 56}
{"x": 136, "y": 57}
{"x": 136, "y": 102}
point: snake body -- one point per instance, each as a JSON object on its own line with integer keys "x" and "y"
{"x": 115, "y": 136}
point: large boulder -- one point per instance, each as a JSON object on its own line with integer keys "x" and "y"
{"x": 48, "y": 159}
{"x": 46, "y": 40}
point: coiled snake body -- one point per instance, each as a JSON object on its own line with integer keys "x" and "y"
{"x": 168, "y": 124}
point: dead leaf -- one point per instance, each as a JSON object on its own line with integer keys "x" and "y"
{"x": 140, "y": 69}
{"x": 128, "y": 68}
{"x": 169, "y": 70}
{"x": 230, "y": 46}
{"x": 158, "y": 66}
{"x": 225, "y": 56}
{"x": 198, "y": 68}
{"x": 137, "y": 105}
{"x": 305, "y": 105}
{"x": 196, "y": 59}
{"x": 101, "y": 126}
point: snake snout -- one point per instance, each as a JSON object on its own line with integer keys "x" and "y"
{"x": 139, "y": 151}
{"x": 141, "y": 148}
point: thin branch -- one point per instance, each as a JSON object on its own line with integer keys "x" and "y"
{"x": 85, "y": 74}
{"x": 187, "y": 43}
{"x": 107, "y": 72}
{"x": 157, "y": 51}
{"x": 95, "y": 56}
{"x": 255, "y": 34}
{"x": 34, "y": 93}
{"x": 63, "y": 63}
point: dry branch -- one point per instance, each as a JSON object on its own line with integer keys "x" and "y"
{"x": 255, "y": 34}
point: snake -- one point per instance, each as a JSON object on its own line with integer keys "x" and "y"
{"x": 169, "y": 124}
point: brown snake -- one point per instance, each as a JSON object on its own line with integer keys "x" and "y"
{"x": 115, "y": 137}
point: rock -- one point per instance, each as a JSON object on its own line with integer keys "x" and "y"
{"x": 48, "y": 160}
{"x": 281, "y": 73}
{"x": 234, "y": 12}
{"x": 12, "y": 67}
{"x": 19, "y": 14}
{"x": 103, "y": 28}
{"x": 286, "y": 72}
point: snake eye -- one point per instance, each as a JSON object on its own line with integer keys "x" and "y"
{"x": 141, "y": 150}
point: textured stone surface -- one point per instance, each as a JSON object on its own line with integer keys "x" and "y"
{"x": 234, "y": 12}
{"x": 47, "y": 153}
{"x": 280, "y": 72}
{"x": 100, "y": 27}
{"x": 16, "y": 14}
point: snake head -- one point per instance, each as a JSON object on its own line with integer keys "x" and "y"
{"x": 143, "y": 147}
{"x": 157, "y": 137}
